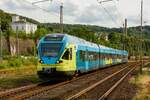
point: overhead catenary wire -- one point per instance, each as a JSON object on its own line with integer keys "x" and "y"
{"x": 47, "y": 11}
{"x": 70, "y": 21}
{"x": 112, "y": 18}
{"x": 115, "y": 21}
{"x": 41, "y": 1}
{"x": 121, "y": 17}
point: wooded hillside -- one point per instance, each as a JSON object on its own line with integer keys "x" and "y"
{"x": 111, "y": 37}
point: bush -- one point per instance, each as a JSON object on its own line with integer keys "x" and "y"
{"x": 26, "y": 62}
{"x": 29, "y": 60}
{"x": 35, "y": 62}
{"x": 18, "y": 62}
{"x": 2, "y": 66}
{"x": 15, "y": 62}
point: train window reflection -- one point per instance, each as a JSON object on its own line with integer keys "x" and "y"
{"x": 50, "y": 50}
{"x": 66, "y": 55}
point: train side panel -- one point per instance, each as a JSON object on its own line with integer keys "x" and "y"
{"x": 85, "y": 63}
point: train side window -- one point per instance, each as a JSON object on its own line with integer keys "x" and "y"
{"x": 113, "y": 56}
{"x": 86, "y": 55}
{"x": 108, "y": 56}
{"x": 101, "y": 56}
{"x": 66, "y": 55}
{"x": 91, "y": 56}
{"x": 98, "y": 56}
{"x": 95, "y": 56}
{"x": 82, "y": 55}
{"x": 105, "y": 56}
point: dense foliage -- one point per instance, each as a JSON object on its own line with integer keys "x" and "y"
{"x": 18, "y": 62}
{"x": 116, "y": 39}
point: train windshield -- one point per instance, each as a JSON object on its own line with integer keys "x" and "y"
{"x": 50, "y": 49}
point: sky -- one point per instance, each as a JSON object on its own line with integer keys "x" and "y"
{"x": 107, "y": 14}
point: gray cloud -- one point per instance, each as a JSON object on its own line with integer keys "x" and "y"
{"x": 133, "y": 20}
{"x": 85, "y": 12}
{"x": 70, "y": 8}
{"x": 90, "y": 14}
{"x": 93, "y": 14}
{"x": 18, "y": 5}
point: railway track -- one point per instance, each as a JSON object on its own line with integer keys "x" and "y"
{"x": 11, "y": 92}
{"x": 63, "y": 92}
{"x": 37, "y": 91}
{"x": 14, "y": 94}
{"x": 106, "y": 94}
{"x": 89, "y": 92}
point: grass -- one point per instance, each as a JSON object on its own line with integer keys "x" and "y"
{"x": 18, "y": 71}
{"x": 13, "y": 62}
{"x": 143, "y": 83}
{"x": 16, "y": 77}
{"x": 8, "y": 83}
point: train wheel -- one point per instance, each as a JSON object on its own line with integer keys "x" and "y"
{"x": 76, "y": 74}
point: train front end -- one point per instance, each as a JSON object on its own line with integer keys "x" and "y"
{"x": 56, "y": 58}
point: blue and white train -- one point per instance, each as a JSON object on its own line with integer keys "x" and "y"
{"x": 63, "y": 55}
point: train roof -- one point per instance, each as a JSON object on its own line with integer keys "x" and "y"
{"x": 82, "y": 42}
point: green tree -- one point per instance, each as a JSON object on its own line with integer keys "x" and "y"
{"x": 38, "y": 34}
{"x": 22, "y": 35}
{"x": 7, "y": 35}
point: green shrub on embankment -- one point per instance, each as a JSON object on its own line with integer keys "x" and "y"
{"x": 2, "y": 65}
{"x": 17, "y": 62}
{"x": 142, "y": 82}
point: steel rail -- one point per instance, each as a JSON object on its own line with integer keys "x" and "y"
{"x": 16, "y": 90}
{"x": 95, "y": 85}
{"x": 106, "y": 94}
{"x": 44, "y": 89}
{"x": 35, "y": 92}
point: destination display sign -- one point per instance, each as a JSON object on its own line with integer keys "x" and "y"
{"x": 48, "y": 38}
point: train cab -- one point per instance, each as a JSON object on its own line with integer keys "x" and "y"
{"x": 56, "y": 56}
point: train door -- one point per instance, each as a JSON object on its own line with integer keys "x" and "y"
{"x": 68, "y": 59}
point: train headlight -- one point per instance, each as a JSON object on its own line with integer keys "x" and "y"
{"x": 57, "y": 62}
{"x": 60, "y": 61}
{"x": 40, "y": 61}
